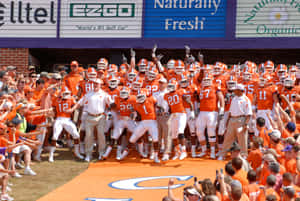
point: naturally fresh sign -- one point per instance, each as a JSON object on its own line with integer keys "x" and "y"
{"x": 268, "y": 18}
{"x": 96, "y": 10}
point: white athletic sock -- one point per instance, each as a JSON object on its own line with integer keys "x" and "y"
{"x": 204, "y": 148}
{"x": 212, "y": 149}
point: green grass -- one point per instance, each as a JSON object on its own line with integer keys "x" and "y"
{"x": 49, "y": 176}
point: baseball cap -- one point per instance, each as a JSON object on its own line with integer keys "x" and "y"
{"x": 287, "y": 148}
{"x": 275, "y": 134}
{"x": 273, "y": 152}
{"x": 10, "y": 68}
{"x": 291, "y": 126}
{"x": 43, "y": 74}
{"x": 31, "y": 67}
{"x": 16, "y": 121}
{"x": 163, "y": 80}
{"x": 269, "y": 158}
{"x": 56, "y": 76}
{"x": 192, "y": 191}
{"x": 240, "y": 87}
{"x": 290, "y": 140}
{"x": 235, "y": 183}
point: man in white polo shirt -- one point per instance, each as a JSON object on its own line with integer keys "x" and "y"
{"x": 95, "y": 102}
{"x": 240, "y": 112}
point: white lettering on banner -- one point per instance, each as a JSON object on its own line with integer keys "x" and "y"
{"x": 20, "y": 18}
{"x": 101, "y": 19}
{"x": 133, "y": 184}
{"x": 182, "y": 25}
{"x": 201, "y": 4}
{"x": 101, "y": 10}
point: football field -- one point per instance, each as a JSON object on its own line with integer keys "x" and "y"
{"x": 133, "y": 179}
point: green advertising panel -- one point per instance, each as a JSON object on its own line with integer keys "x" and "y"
{"x": 268, "y": 18}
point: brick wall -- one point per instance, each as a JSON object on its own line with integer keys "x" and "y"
{"x": 14, "y": 57}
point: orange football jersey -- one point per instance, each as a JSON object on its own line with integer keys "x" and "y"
{"x": 208, "y": 99}
{"x": 71, "y": 81}
{"x": 86, "y": 86}
{"x": 152, "y": 86}
{"x": 249, "y": 88}
{"x": 175, "y": 101}
{"x": 113, "y": 92}
{"x": 289, "y": 94}
{"x": 124, "y": 106}
{"x": 227, "y": 99}
{"x": 62, "y": 105}
{"x": 190, "y": 92}
{"x": 220, "y": 80}
{"x": 147, "y": 109}
{"x": 264, "y": 97}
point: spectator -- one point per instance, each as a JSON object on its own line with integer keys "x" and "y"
{"x": 268, "y": 189}
{"x": 255, "y": 155}
{"x": 240, "y": 174}
{"x": 252, "y": 190}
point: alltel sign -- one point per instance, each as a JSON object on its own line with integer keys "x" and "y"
{"x": 19, "y": 17}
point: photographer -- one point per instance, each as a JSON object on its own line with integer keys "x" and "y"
{"x": 189, "y": 193}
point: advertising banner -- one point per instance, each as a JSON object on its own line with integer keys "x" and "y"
{"x": 101, "y": 19}
{"x": 185, "y": 18}
{"x": 28, "y": 19}
{"x": 268, "y": 18}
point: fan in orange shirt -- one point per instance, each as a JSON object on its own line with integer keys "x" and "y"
{"x": 255, "y": 155}
{"x": 252, "y": 190}
{"x": 144, "y": 106}
{"x": 240, "y": 174}
{"x": 290, "y": 159}
{"x": 268, "y": 189}
{"x": 73, "y": 78}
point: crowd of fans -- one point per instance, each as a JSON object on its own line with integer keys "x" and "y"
{"x": 172, "y": 109}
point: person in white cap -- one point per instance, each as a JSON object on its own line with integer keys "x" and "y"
{"x": 240, "y": 112}
{"x": 95, "y": 102}
{"x": 163, "y": 122}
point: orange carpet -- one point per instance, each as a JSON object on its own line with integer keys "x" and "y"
{"x": 99, "y": 181}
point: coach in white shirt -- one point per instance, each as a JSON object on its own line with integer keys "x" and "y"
{"x": 240, "y": 112}
{"x": 163, "y": 121}
{"x": 95, "y": 103}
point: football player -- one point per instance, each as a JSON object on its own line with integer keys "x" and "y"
{"x": 209, "y": 96}
{"x": 144, "y": 106}
{"x": 175, "y": 98}
{"x": 63, "y": 121}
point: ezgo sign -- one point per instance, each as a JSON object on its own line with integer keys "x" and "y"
{"x": 29, "y": 18}
{"x": 185, "y": 18}
{"x": 268, "y": 18}
{"x": 101, "y": 19}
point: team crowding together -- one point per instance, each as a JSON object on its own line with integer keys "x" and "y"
{"x": 154, "y": 108}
